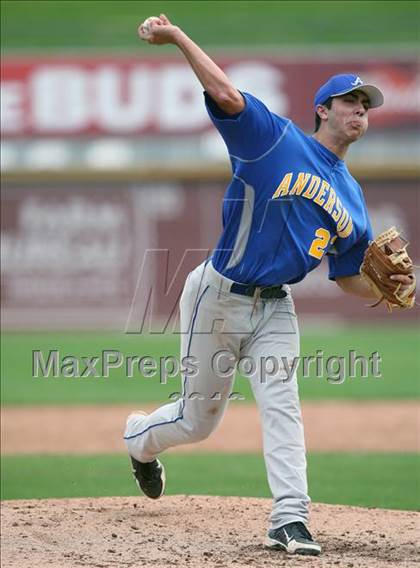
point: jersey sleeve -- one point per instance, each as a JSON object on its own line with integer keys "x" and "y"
{"x": 249, "y": 134}
{"x": 348, "y": 263}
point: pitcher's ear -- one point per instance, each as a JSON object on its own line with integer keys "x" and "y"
{"x": 322, "y": 111}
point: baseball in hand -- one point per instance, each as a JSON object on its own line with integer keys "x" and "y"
{"x": 144, "y": 28}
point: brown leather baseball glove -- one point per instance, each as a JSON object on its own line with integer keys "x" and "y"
{"x": 387, "y": 255}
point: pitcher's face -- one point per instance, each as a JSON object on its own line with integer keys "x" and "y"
{"x": 348, "y": 116}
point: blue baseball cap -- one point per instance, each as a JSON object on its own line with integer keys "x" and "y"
{"x": 338, "y": 85}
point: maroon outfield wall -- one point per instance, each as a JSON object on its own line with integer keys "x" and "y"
{"x": 72, "y": 253}
{"x": 136, "y": 95}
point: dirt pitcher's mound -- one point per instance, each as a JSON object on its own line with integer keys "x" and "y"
{"x": 194, "y": 532}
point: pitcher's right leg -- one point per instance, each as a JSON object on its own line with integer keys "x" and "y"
{"x": 204, "y": 395}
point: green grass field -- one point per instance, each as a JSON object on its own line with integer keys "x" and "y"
{"x": 372, "y": 480}
{"x": 380, "y": 480}
{"x": 108, "y": 25}
{"x": 400, "y": 367}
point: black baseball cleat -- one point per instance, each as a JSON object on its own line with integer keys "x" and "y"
{"x": 293, "y": 538}
{"x": 149, "y": 477}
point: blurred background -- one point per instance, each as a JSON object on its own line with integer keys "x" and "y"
{"x": 107, "y": 152}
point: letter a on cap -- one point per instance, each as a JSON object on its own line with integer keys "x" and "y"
{"x": 357, "y": 81}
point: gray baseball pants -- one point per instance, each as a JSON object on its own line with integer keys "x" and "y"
{"x": 219, "y": 328}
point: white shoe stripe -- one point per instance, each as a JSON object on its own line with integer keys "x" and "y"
{"x": 292, "y": 545}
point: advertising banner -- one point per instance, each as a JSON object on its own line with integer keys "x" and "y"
{"x": 132, "y": 96}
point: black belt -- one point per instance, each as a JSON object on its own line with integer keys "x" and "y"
{"x": 266, "y": 292}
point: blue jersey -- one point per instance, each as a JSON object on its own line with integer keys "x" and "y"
{"x": 290, "y": 202}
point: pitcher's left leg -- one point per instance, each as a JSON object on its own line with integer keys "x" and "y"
{"x": 278, "y": 400}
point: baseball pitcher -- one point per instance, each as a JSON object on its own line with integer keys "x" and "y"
{"x": 291, "y": 200}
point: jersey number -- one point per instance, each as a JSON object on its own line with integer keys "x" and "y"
{"x": 319, "y": 244}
